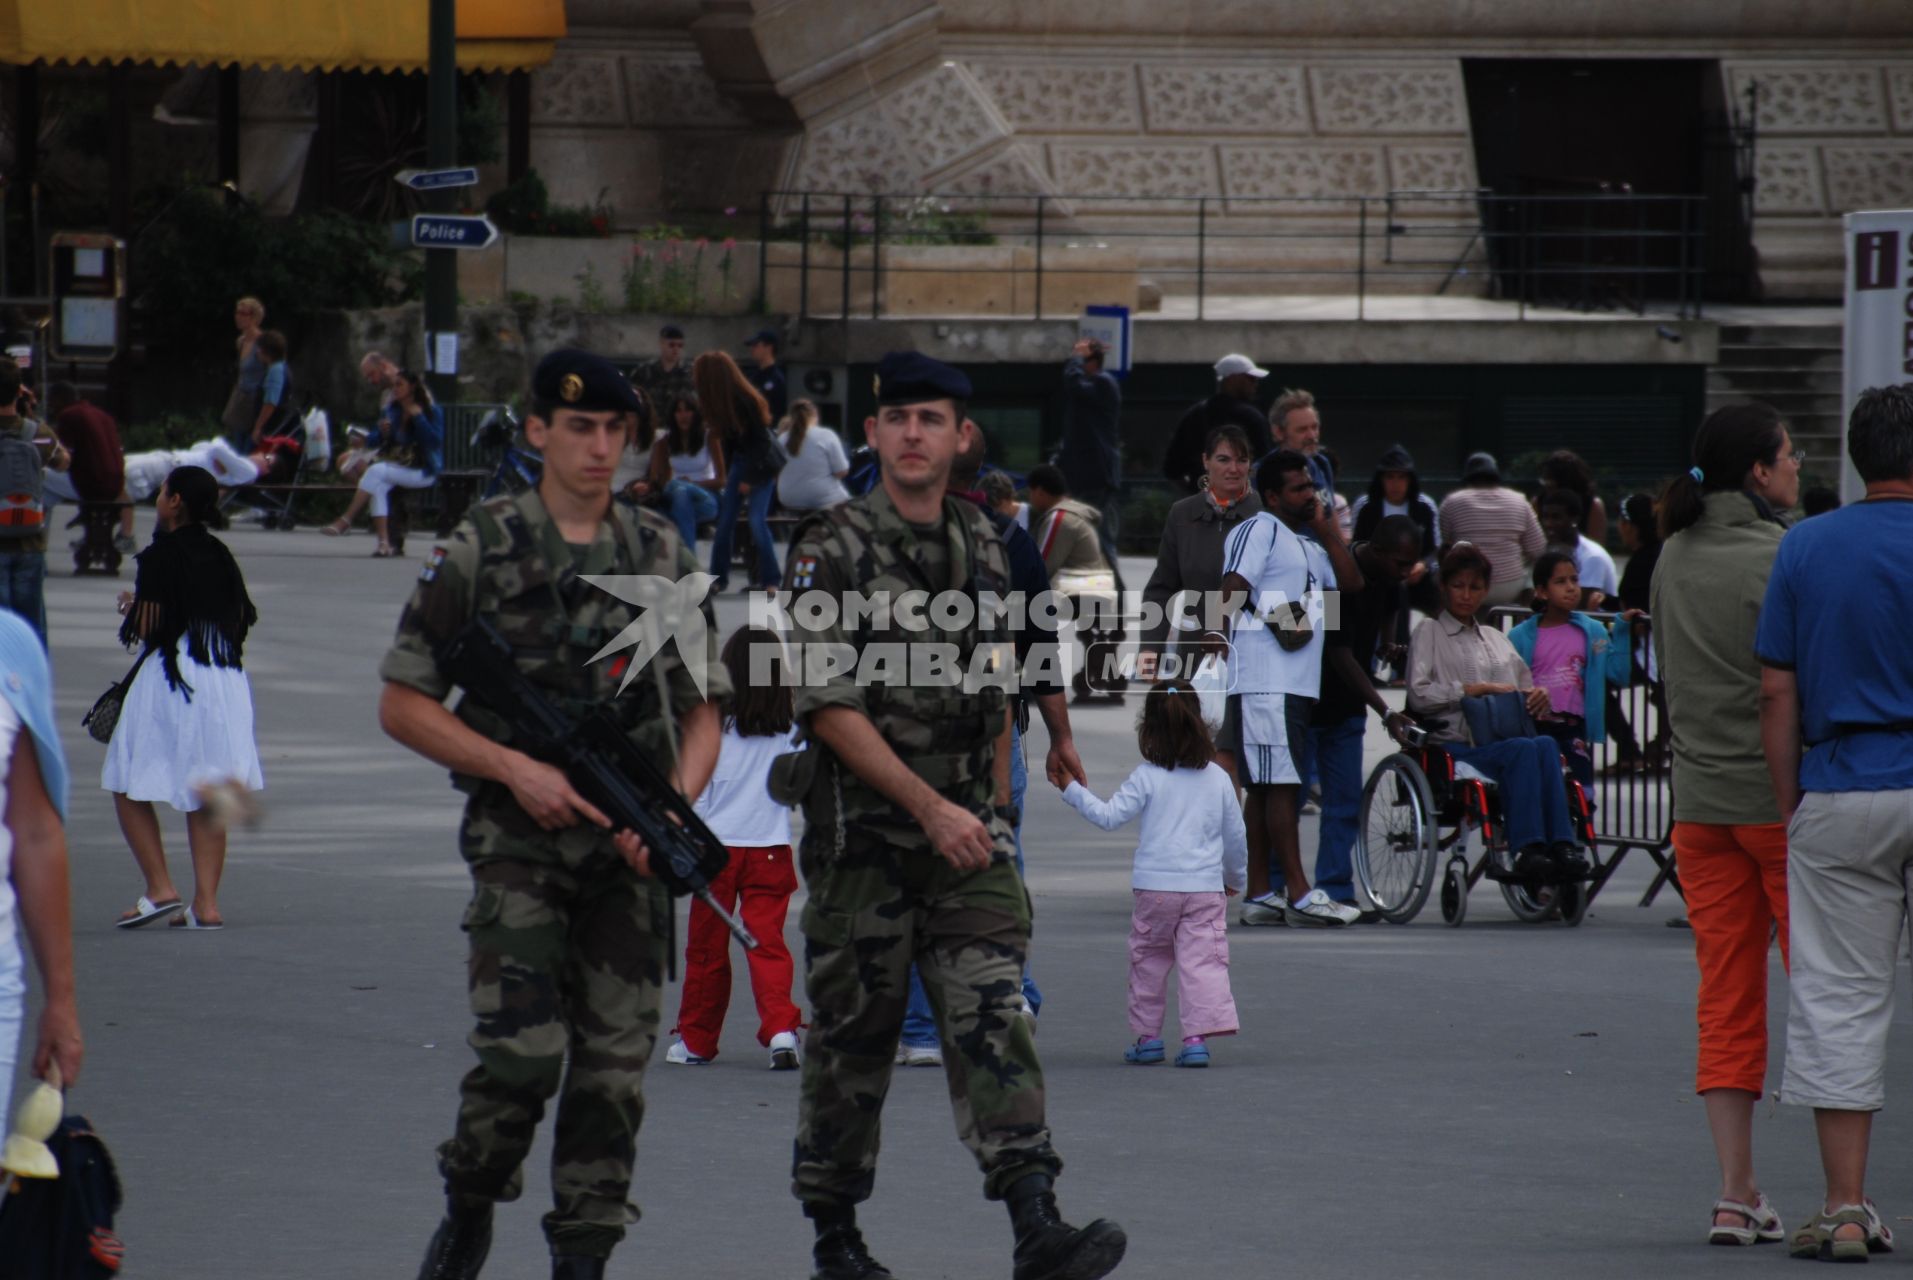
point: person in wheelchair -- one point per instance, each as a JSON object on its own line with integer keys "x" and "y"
{"x": 1452, "y": 657}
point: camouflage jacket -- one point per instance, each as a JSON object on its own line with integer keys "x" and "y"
{"x": 509, "y": 561}
{"x": 945, "y": 731}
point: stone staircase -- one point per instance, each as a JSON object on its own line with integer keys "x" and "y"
{"x": 1796, "y": 369}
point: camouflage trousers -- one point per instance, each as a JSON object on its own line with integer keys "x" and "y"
{"x": 564, "y": 961}
{"x": 872, "y": 911}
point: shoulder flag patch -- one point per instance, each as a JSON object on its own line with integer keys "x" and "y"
{"x": 803, "y": 572}
{"x": 430, "y": 572}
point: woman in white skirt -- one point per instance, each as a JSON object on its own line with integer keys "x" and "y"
{"x": 186, "y": 722}
{"x": 411, "y": 445}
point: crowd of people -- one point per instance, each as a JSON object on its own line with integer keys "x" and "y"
{"x": 1777, "y": 698}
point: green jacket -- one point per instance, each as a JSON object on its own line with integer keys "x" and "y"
{"x": 1705, "y": 603}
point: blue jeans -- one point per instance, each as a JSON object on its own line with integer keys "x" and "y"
{"x": 1527, "y": 772}
{"x": 689, "y": 504}
{"x": 919, "y": 1024}
{"x": 23, "y": 588}
{"x": 1334, "y": 753}
{"x": 763, "y": 493}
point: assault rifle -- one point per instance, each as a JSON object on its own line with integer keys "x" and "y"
{"x": 599, "y": 760}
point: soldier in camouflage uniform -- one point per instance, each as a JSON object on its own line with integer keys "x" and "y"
{"x": 568, "y": 933}
{"x": 907, "y": 851}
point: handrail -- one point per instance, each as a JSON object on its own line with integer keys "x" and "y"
{"x": 1588, "y": 250}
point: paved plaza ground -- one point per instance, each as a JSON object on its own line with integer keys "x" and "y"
{"x": 1498, "y": 1100}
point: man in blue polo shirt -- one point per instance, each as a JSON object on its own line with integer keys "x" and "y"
{"x": 1836, "y": 721}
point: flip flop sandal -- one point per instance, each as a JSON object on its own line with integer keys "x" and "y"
{"x": 1763, "y": 1223}
{"x": 335, "y": 529}
{"x": 145, "y": 911}
{"x": 383, "y": 552}
{"x": 1816, "y": 1239}
{"x": 187, "y": 920}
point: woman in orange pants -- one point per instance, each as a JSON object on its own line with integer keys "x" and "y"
{"x": 1729, "y": 842}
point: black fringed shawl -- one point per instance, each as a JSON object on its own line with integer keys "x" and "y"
{"x": 194, "y": 584}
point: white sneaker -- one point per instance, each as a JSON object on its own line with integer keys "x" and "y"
{"x": 919, "y": 1055}
{"x": 1317, "y": 908}
{"x": 783, "y": 1051}
{"x": 684, "y": 1057}
{"x": 1273, "y": 909}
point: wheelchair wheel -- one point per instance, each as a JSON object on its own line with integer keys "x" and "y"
{"x": 1394, "y": 856}
{"x": 1574, "y": 902}
{"x": 1530, "y": 904}
{"x": 1454, "y": 894}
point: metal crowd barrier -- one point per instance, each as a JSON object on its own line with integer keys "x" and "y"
{"x": 1633, "y": 807}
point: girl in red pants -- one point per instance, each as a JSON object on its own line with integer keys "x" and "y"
{"x": 760, "y": 877}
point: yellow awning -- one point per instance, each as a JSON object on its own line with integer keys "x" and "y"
{"x": 326, "y": 35}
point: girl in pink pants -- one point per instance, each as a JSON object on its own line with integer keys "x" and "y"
{"x": 1191, "y": 856}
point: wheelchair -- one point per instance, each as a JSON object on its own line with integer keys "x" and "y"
{"x": 1420, "y": 804}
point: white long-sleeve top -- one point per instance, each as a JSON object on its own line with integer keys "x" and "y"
{"x": 1192, "y": 838}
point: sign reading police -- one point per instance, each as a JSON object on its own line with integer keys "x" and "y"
{"x": 1879, "y": 315}
{"x": 452, "y": 231}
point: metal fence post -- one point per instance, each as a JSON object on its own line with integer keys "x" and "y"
{"x": 803, "y": 261}
{"x": 876, "y": 259}
{"x": 849, "y": 244}
{"x": 1039, "y": 257}
{"x": 1202, "y": 246}
{"x": 763, "y": 250}
{"x": 1361, "y": 264}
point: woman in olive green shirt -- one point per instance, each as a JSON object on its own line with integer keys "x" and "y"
{"x": 1721, "y": 530}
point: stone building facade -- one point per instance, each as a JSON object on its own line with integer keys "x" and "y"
{"x": 1122, "y": 105}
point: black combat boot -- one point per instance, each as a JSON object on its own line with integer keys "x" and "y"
{"x": 463, "y": 1239}
{"x": 573, "y": 1266}
{"x": 839, "y": 1252}
{"x": 1047, "y": 1248}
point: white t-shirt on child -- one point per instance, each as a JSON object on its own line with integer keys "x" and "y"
{"x": 737, "y": 805}
{"x": 1192, "y": 838}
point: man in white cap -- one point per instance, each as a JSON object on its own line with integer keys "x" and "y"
{"x": 1237, "y": 379}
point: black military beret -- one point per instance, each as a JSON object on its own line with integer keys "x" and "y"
{"x": 908, "y": 377}
{"x": 575, "y": 379}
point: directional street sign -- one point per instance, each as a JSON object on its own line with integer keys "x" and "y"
{"x": 436, "y": 179}
{"x": 452, "y": 231}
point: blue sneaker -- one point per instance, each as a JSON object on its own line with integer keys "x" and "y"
{"x": 1144, "y": 1053}
{"x": 1193, "y": 1055}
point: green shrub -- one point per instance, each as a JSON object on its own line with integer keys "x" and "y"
{"x": 525, "y": 208}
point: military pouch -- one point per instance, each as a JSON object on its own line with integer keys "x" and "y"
{"x": 793, "y": 774}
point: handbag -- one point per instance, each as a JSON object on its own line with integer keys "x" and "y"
{"x": 1496, "y": 717}
{"x": 105, "y": 715}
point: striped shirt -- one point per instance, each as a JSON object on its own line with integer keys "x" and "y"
{"x": 1498, "y": 521}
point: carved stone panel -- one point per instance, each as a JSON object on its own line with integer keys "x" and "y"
{"x": 1414, "y": 99}
{"x": 858, "y": 151}
{"x": 944, "y": 117}
{"x": 1133, "y": 172}
{"x": 1062, "y": 97}
{"x": 1787, "y": 180}
{"x": 1435, "y": 167}
{"x": 1262, "y": 98}
{"x": 1900, "y": 83}
{"x": 585, "y": 89}
{"x": 1877, "y": 176}
{"x": 1288, "y": 172}
{"x": 1004, "y": 183}
{"x": 1829, "y": 97}
{"x": 676, "y": 90}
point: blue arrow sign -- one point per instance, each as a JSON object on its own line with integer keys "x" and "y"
{"x": 436, "y": 179}
{"x": 452, "y": 231}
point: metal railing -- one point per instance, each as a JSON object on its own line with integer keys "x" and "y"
{"x": 1592, "y": 250}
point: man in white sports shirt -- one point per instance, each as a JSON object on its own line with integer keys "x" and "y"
{"x": 1278, "y": 659}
